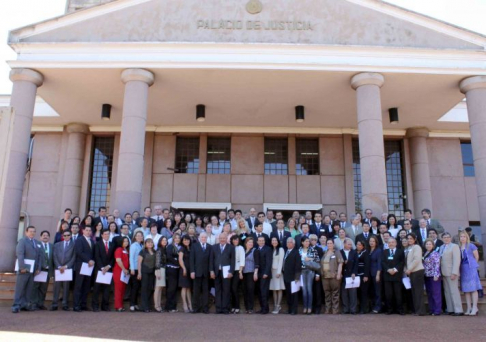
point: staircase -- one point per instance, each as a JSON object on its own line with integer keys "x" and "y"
{"x": 7, "y": 290}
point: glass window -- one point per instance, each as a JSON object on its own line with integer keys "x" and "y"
{"x": 101, "y": 172}
{"x": 219, "y": 156}
{"x": 187, "y": 155}
{"x": 467, "y": 159}
{"x": 307, "y": 157}
{"x": 276, "y": 156}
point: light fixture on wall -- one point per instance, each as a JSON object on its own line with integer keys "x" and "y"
{"x": 393, "y": 113}
{"x": 200, "y": 113}
{"x": 106, "y": 111}
{"x": 299, "y": 114}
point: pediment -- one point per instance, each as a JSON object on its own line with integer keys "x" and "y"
{"x": 319, "y": 22}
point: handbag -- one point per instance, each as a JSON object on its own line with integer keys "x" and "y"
{"x": 312, "y": 265}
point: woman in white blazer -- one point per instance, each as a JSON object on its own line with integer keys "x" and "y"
{"x": 277, "y": 283}
{"x": 237, "y": 274}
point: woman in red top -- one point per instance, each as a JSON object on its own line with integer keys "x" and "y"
{"x": 121, "y": 265}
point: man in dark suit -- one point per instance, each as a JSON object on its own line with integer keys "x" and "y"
{"x": 264, "y": 274}
{"x": 64, "y": 258}
{"x": 368, "y": 216}
{"x": 422, "y": 232}
{"x": 326, "y": 228}
{"x": 281, "y": 234}
{"x": 259, "y": 232}
{"x": 222, "y": 256}
{"x": 83, "y": 248}
{"x": 278, "y": 216}
{"x": 101, "y": 218}
{"x": 408, "y": 216}
{"x": 252, "y": 219}
{"x": 433, "y": 235}
{"x": 27, "y": 249}
{"x": 392, "y": 268}
{"x": 305, "y": 232}
{"x": 350, "y": 269}
{"x": 365, "y": 235}
{"x": 103, "y": 254}
{"x": 292, "y": 268}
{"x": 124, "y": 232}
{"x": 46, "y": 265}
{"x": 316, "y": 226}
{"x": 199, "y": 268}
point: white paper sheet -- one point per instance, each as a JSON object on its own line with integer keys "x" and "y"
{"x": 213, "y": 291}
{"x": 225, "y": 271}
{"x": 406, "y": 282}
{"x": 66, "y": 276}
{"x": 41, "y": 277}
{"x": 350, "y": 283}
{"x": 104, "y": 278}
{"x": 301, "y": 282}
{"x": 125, "y": 278}
{"x": 26, "y": 262}
{"x": 295, "y": 286}
{"x": 86, "y": 270}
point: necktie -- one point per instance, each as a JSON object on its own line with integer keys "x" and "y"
{"x": 287, "y": 254}
{"x": 106, "y": 247}
{"x": 46, "y": 251}
{"x": 342, "y": 224}
{"x": 392, "y": 252}
{"x": 280, "y": 238}
{"x": 423, "y": 234}
{"x": 366, "y": 235}
{"x": 33, "y": 243}
{"x": 222, "y": 248}
{"x": 64, "y": 251}
{"x": 204, "y": 248}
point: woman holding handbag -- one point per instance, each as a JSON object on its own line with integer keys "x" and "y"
{"x": 310, "y": 264}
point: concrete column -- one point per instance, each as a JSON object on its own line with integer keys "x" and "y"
{"x": 371, "y": 147}
{"x": 73, "y": 169}
{"x": 475, "y": 90}
{"x": 25, "y": 83}
{"x": 419, "y": 159}
{"x": 132, "y": 142}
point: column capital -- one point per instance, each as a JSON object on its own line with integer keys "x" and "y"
{"x": 138, "y": 75}
{"x": 474, "y": 82}
{"x": 418, "y": 132}
{"x": 77, "y": 128}
{"x": 28, "y": 75}
{"x": 367, "y": 78}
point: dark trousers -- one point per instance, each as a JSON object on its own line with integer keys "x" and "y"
{"x": 235, "y": 286}
{"x": 434, "y": 294}
{"x": 249, "y": 290}
{"x": 223, "y": 291}
{"x": 292, "y": 298}
{"x": 172, "y": 277}
{"x": 105, "y": 296}
{"x": 375, "y": 291}
{"x": 264, "y": 286}
{"x": 40, "y": 291}
{"x": 147, "y": 288}
{"x": 318, "y": 295}
{"x": 58, "y": 285}
{"x": 393, "y": 293}
{"x": 363, "y": 295}
{"x": 200, "y": 295}
{"x": 417, "y": 281}
{"x": 82, "y": 286}
{"x": 349, "y": 298}
{"x": 134, "y": 289}
{"x": 23, "y": 290}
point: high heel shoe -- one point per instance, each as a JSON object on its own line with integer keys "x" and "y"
{"x": 474, "y": 312}
{"x": 467, "y": 312}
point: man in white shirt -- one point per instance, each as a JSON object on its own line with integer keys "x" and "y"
{"x": 232, "y": 219}
{"x": 422, "y": 232}
{"x": 251, "y": 220}
{"x": 75, "y": 231}
{"x": 222, "y": 218}
{"x": 308, "y": 217}
{"x": 384, "y": 218}
{"x": 269, "y": 219}
{"x": 267, "y": 227}
{"x": 343, "y": 220}
{"x": 116, "y": 216}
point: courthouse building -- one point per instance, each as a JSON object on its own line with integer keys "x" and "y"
{"x": 203, "y": 105}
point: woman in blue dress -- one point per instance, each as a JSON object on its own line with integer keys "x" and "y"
{"x": 470, "y": 283}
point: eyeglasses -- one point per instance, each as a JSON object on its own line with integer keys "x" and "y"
{"x": 66, "y": 235}
{"x": 261, "y": 216}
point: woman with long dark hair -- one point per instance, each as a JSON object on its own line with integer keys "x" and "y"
{"x": 146, "y": 274}
{"x": 277, "y": 283}
{"x": 172, "y": 273}
{"x": 185, "y": 282}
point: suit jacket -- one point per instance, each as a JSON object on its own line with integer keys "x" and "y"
{"x": 199, "y": 260}
{"x": 64, "y": 257}
{"x": 415, "y": 223}
{"x": 292, "y": 266}
{"x": 350, "y": 233}
{"x": 250, "y": 225}
{"x": 274, "y": 226}
{"x": 266, "y": 259}
{"x": 267, "y": 239}
{"x": 350, "y": 265}
{"x": 98, "y": 219}
{"x": 84, "y": 253}
{"x": 437, "y": 226}
{"x": 421, "y": 241}
{"x": 102, "y": 258}
{"x": 117, "y": 241}
{"x": 217, "y": 259}
{"x": 322, "y": 230}
{"x": 413, "y": 261}
{"x": 364, "y": 264}
{"x": 361, "y": 237}
{"x": 438, "y": 244}
{"x": 283, "y": 242}
{"x": 298, "y": 239}
{"x": 26, "y": 250}
{"x": 47, "y": 263}
{"x": 397, "y": 262}
{"x": 450, "y": 260}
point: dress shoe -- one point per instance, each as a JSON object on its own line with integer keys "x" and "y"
{"x": 65, "y": 308}
{"x": 401, "y": 313}
{"x": 53, "y": 308}
{"x": 458, "y": 314}
{"x": 106, "y": 309}
{"x": 293, "y": 313}
{"x": 76, "y": 309}
{"x": 205, "y": 311}
{"x": 388, "y": 313}
{"x": 264, "y": 312}
{"x": 258, "y": 311}
{"x": 96, "y": 310}
{"x": 15, "y": 310}
{"x": 84, "y": 308}
{"x": 28, "y": 308}
{"x": 42, "y": 308}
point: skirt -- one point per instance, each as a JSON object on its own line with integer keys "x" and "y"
{"x": 469, "y": 279}
{"x": 276, "y": 283}
{"x": 160, "y": 282}
{"x": 184, "y": 282}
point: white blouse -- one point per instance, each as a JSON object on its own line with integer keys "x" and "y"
{"x": 239, "y": 257}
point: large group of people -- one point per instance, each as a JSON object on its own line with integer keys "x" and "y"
{"x": 365, "y": 265}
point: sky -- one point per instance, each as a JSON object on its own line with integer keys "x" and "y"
{"x": 469, "y": 14}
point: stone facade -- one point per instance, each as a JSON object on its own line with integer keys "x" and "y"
{"x": 74, "y": 5}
